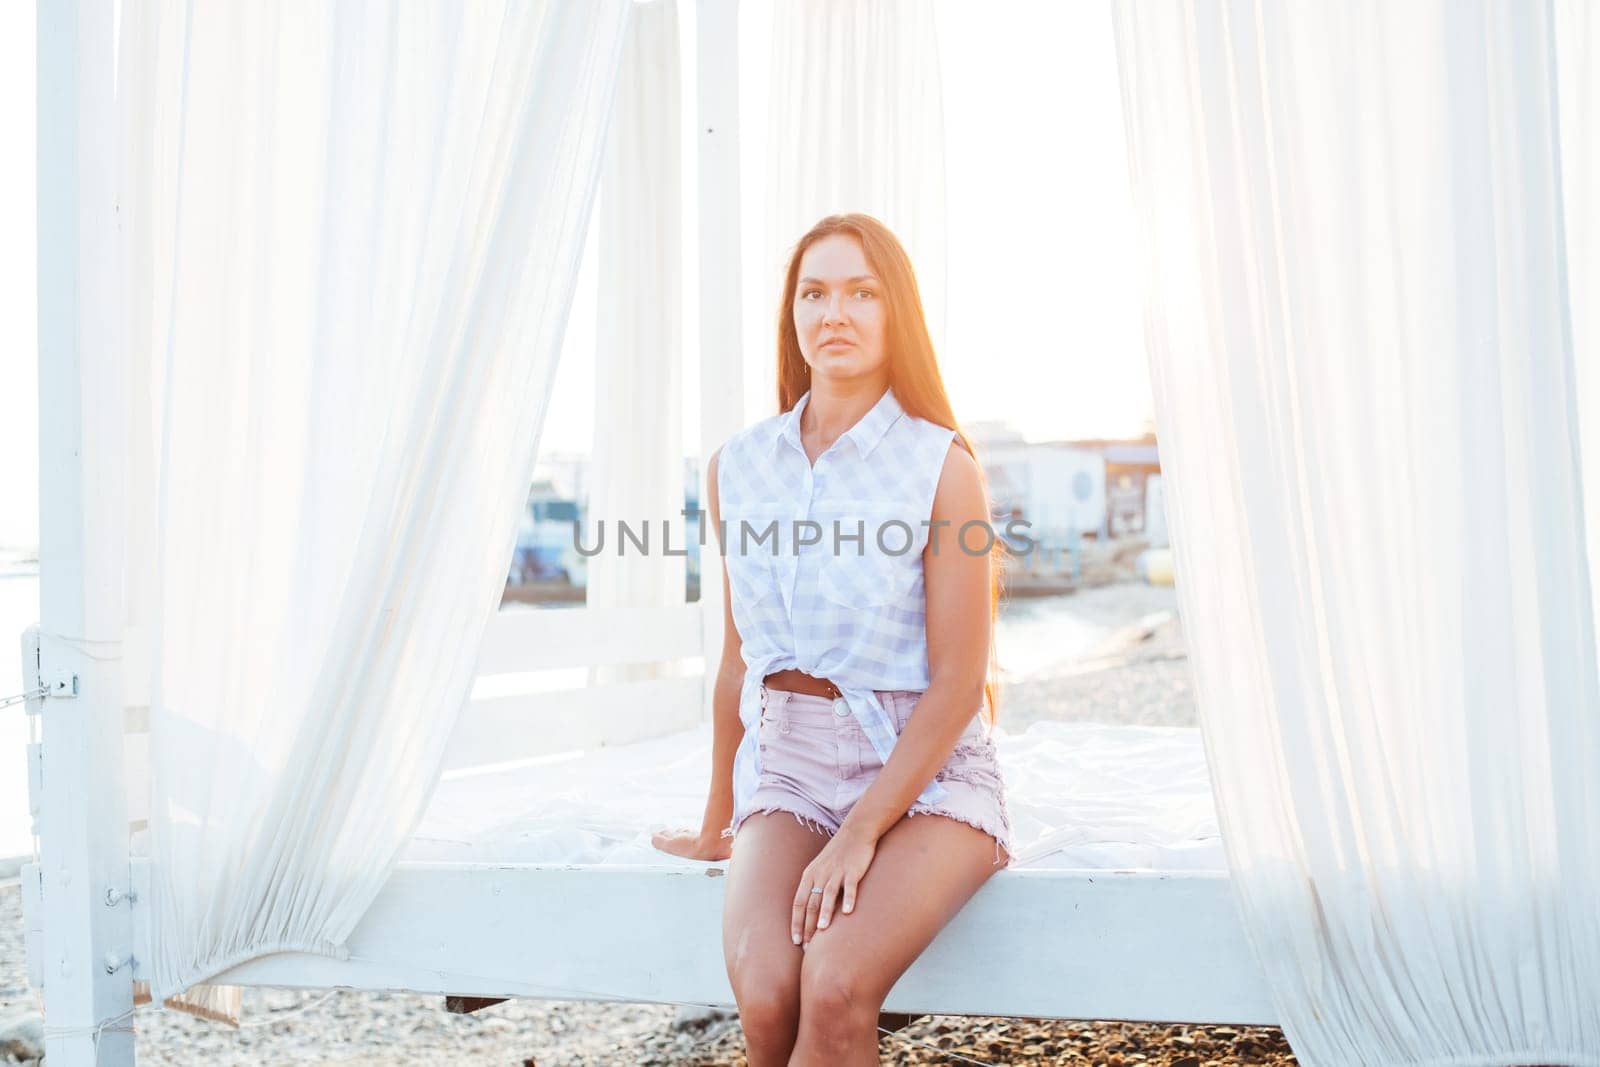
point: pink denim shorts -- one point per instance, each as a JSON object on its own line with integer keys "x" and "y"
{"x": 816, "y": 764}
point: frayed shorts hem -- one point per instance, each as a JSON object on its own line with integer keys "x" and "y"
{"x": 977, "y": 824}
{"x": 803, "y": 816}
{"x": 815, "y": 825}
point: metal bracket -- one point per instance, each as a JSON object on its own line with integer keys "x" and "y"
{"x": 62, "y": 685}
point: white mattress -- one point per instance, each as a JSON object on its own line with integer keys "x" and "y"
{"x": 1082, "y": 795}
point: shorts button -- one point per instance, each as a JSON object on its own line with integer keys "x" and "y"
{"x": 841, "y": 708}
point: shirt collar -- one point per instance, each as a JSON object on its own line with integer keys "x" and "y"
{"x": 865, "y": 434}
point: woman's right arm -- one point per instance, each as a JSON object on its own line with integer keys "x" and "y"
{"x": 707, "y": 843}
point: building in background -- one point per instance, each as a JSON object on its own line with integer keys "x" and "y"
{"x": 1096, "y": 487}
{"x": 546, "y": 565}
{"x": 1129, "y": 467}
{"x": 1155, "y": 512}
{"x": 1057, "y": 487}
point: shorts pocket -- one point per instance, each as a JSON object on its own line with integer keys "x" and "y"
{"x": 771, "y": 724}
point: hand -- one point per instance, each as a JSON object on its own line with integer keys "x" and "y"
{"x": 838, "y": 870}
{"x": 693, "y": 844}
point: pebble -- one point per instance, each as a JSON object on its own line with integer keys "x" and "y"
{"x": 22, "y": 1037}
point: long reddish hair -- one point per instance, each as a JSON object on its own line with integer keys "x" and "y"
{"x": 913, "y": 368}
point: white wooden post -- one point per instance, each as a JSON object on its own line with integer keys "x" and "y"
{"x": 83, "y": 869}
{"x": 721, "y": 282}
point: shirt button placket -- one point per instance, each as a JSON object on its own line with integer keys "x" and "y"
{"x": 805, "y": 514}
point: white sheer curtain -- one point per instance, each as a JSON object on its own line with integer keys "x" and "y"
{"x": 353, "y": 231}
{"x": 1578, "y": 60}
{"x": 855, "y": 122}
{"x": 637, "y": 476}
{"x": 1359, "y": 325}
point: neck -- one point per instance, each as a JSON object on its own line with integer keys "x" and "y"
{"x": 834, "y": 407}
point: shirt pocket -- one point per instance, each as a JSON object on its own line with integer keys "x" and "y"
{"x": 879, "y": 575}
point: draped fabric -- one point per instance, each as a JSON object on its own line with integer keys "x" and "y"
{"x": 351, "y": 233}
{"x": 1578, "y": 65}
{"x": 637, "y": 476}
{"x": 1364, "y": 230}
{"x": 855, "y": 118}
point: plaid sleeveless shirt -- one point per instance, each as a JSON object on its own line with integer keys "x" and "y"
{"x": 825, "y": 564}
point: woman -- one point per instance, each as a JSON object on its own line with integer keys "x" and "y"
{"x": 861, "y": 600}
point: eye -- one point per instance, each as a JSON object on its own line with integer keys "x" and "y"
{"x": 807, "y": 292}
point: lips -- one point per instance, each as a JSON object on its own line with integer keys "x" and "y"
{"x": 837, "y": 342}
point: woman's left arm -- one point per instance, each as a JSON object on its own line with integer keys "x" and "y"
{"x": 956, "y": 581}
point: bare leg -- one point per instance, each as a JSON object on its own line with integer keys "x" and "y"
{"x": 925, "y": 870}
{"x": 769, "y": 853}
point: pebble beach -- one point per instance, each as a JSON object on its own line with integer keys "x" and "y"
{"x": 1136, "y": 671}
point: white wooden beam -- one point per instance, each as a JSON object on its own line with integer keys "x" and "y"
{"x": 511, "y": 728}
{"x": 86, "y": 942}
{"x": 721, "y": 281}
{"x": 1139, "y": 946}
{"x": 553, "y": 638}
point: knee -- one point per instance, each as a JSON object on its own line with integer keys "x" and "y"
{"x": 769, "y": 1007}
{"x": 838, "y": 1001}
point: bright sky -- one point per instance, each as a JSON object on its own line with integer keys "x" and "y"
{"x": 1045, "y": 327}
{"x": 1043, "y": 320}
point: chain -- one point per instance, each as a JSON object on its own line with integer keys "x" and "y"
{"x": 30, "y": 694}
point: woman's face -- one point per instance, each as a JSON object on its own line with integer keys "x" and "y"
{"x": 839, "y": 309}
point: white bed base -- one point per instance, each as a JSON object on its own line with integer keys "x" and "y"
{"x": 1080, "y": 944}
{"x": 1032, "y": 943}
{"x": 1135, "y": 946}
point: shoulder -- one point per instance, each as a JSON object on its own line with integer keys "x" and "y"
{"x": 755, "y": 435}
{"x": 960, "y": 489}
{"x": 920, "y": 443}
{"x": 746, "y": 442}
{"x": 955, "y": 457}
{"x": 741, "y": 451}
{"x": 917, "y": 452}
{"x": 915, "y": 430}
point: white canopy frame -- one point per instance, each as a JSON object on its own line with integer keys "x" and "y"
{"x": 1094, "y": 944}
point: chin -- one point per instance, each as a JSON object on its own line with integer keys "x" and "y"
{"x": 851, "y": 358}
{"x": 838, "y": 368}
{"x": 851, "y": 364}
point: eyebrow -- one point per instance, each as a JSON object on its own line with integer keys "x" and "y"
{"x": 857, "y": 278}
